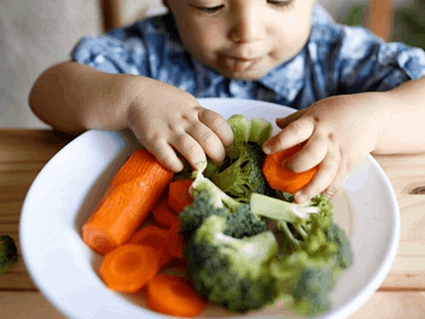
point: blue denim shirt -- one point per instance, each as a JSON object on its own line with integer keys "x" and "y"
{"x": 336, "y": 60}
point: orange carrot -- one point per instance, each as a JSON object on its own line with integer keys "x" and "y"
{"x": 283, "y": 179}
{"x": 179, "y": 196}
{"x": 175, "y": 241}
{"x": 155, "y": 237}
{"x": 130, "y": 197}
{"x": 164, "y": 214}
{"x": 128, "y": 268}
{"x": 174, "y": 296}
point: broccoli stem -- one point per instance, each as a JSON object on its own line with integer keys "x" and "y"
{"x": 261, "y": 130}
{"x": 241, "y": 128}
{"x": 277, "y": 209}
{"x": 219, "y": 198}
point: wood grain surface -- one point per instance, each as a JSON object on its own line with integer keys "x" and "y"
{"x": 23, "y": 153}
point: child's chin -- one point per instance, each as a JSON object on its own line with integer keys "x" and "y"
{"x": 250, "y": 75}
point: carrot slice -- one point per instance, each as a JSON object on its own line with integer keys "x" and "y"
{"x": 130, "y": 197}
{"x": 283, "y": 179}
{"x": 155, "y": 237}
{"x": 174, "y": 296}
{"x": 179, "y": 196}
{"x": 164, "y": 214}
{"x": 175, "y": 241}
{"x": 128, "y": 268}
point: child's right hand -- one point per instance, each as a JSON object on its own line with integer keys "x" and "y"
{"x": 166, "y": 119}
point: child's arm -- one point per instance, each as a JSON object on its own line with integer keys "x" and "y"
{"x": 73, "y": 97}
{"x": 340, "y": 131}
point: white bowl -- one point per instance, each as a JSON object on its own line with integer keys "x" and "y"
{"x": 68, "y": 188}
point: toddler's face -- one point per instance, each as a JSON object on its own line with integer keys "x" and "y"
{"x": 243, "y": 39}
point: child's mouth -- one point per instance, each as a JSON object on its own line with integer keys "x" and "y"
{"x": 238, "y": 64}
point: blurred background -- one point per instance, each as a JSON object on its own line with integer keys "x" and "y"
{"x": 35, "y": 34}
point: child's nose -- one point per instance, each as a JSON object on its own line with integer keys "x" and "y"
{"x": 248, "y": 25}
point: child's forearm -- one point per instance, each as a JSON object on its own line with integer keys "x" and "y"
{"x": 73, "y": 98}
{"x": 403, "y": 121}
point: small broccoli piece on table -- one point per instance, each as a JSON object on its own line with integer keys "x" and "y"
{"x": 209, "y": 200}
{"x": 232, "y": 272}
{"x": 8, "y": 253}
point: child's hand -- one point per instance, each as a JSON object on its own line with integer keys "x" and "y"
{"x": 167, "y": 120}
{"x": 338, "y": 132}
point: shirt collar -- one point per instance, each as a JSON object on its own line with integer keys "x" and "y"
{"x": 287, "y": 79}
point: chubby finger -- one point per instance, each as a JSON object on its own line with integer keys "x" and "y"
{"x": 295, "y": 133}
{"x": 321, "y": 181}
{"x": 283, "y": 122}
{"x": 311, "y": 155}
{"x": 209, "y": 141}
{"x": 165, "y": 154}
{"x": 218, "y": 125}
{"x": 189, "y": 148}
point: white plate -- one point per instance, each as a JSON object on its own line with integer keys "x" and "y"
{"x": 68, "y": 188}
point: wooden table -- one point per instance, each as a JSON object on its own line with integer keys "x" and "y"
{"x": 23, "y": 153}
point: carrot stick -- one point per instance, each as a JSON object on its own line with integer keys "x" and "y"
{"x": 130, "y": 197}
{"x": 174, "y": 296}
{"x": 283, "y": 179}
{"x": 175, "y": 241}
{"x": 164, "y": 214}
{"x": 155, "y": 237}
{"x": 128, "y": 268}
{"x": 179, "y": 196}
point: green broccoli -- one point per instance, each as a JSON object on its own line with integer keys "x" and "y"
{"x": 344, "y": 254}
{"x": 244, "y": 223}
{"x": 305, "y": 281}
{"x": 257, "y": 130}
{"x": 315, "y": 251}
{"x": 8, "y": 253}
{"x": 209, "y": 200}
{"x": 299, "y": 223}
{"x": 243, "y": 176}
{"x": 232, "y": 272}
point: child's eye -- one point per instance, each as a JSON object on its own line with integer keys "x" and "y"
{"x": 281, "y": 4}
{"x": 209, "y": 10}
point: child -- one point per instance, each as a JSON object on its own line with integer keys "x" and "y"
{"x": 355, "y": 94}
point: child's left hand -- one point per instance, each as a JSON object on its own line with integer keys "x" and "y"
{"x": 338, "y": 133}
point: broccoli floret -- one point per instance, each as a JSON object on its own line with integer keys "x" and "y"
{"x": 218, "y": 198}
{"x": 209, "y": 200}
{"x": 194, "y": 215}
{"x": 8, "y": 253}
{"x": 244, "y": 223}
{"x": 315, "y": 250}
{"x": 308, "y": 227}
{"x": 344, "y": 254}
{"x": 243, "y": 176}
{"x": 232, "y": 272}
{"x": 302, "y": 225}
{"x": 306, "y": 280}
{"x": 257, "y": 130}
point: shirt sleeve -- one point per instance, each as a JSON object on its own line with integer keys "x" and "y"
{"x": 366, "y": 63}
{"x": 108, "y": 54}
{"x": 134, "y": 49}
